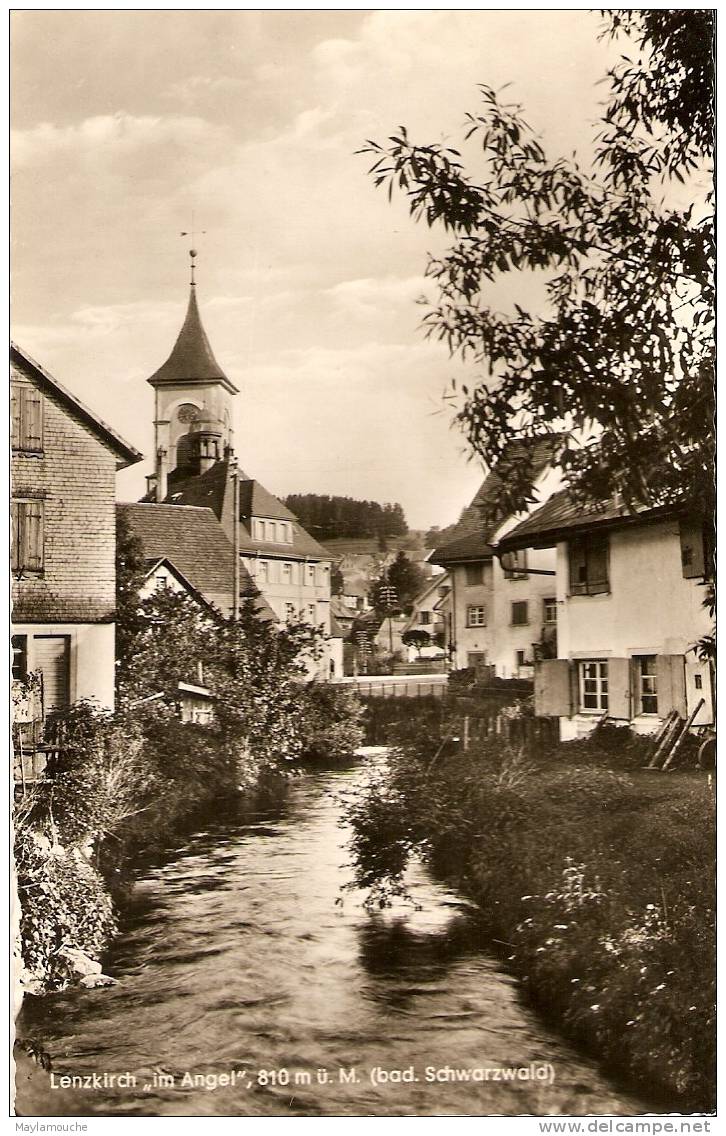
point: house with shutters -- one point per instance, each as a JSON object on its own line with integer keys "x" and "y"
{"x": 63, "y": 538}
{"x": 426, "y": 615}
{"x": 497, "y": 618}
{"x": 630, "y": 590}
{"x": 196, "y": 467}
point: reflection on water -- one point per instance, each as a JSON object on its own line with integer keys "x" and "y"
{"x": 237, "y": 962}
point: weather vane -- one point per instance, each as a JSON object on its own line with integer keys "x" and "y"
{"x": 193, "y": 233}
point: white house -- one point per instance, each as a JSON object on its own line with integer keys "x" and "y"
{"x": 426, "y": 615}
{"x": 630, "y": 610}
{"x": 495, "y": 617}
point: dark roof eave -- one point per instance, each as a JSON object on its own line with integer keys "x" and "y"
{"x": 439, "y": 556}
{"x": 548, "y": 538}
{"x": 173, "y": 381}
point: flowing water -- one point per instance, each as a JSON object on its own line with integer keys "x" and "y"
{"x": 247, "y": 988}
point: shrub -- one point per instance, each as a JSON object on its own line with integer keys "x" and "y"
{"x": 63, "y": 903}
{"x": 331, "y": 722}
{"x": 602, "y": 881}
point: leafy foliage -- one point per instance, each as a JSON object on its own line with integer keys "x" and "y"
{"x": 600, "y": 880}
{"x": 619, "y": 365}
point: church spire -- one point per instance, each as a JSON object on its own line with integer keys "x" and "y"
{"x": 192, "y": 359}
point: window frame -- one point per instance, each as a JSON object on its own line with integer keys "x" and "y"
{"x": 470, "y": 621}
{"x": 547, "y": 602}
{"x": 644, "y": 677}
{"x": 601, "y": 691}
{"x": 586, "y": 548}
{"x": 520, "y": 570}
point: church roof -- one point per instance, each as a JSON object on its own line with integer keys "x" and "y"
{"x": 213, "y": 490}
{"x": 192, "y": 358}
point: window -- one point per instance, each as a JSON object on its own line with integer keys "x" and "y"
{"x": 271, "y": 530}
{"x": 549, "y": 610}
{"x": 27, "y": 536}
{"x": 424, "y": 618}
{"x": 161, "y": 582}
{"x": 262, "y": 570}
{"x": 287, "y": 573}
{"x": 698, "y": 682}
{"x": 476, "y": 615}
{"x": 693, "y": 560}
{"x": 647, "y": 683}
{"x": 516, "y": 565}
{"x": 593, "y": 676}
{"x": 290, "y": 612}
{"x": 258, "y": 530}
{"x": 520, "y": 613}
{"x": 27, "y": 418}
{"x": 588, "y": 557}
{"x": 285, "y": 532}
{"x": 520, "y": 658}
{"x": 311, "y": 613}
{"x": 474, "y": 575}
{"x": 20, "y": 657}
{"x": 310, "y": 573}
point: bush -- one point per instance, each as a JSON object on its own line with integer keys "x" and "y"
{"x": 63, "y": 904}
{"x": 602, "y": 880}
{"x": 332, "y": 729}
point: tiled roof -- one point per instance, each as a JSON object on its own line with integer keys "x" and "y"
{"x": 470, "y": 539}
{"x": 193, "y": 541}
{"x": 126, "y": 454}
{"x": 256, "y": 501}
{"x": 561, "y": 515}
{"x": 192, "y": 358}
{"x": 213, "y": 490}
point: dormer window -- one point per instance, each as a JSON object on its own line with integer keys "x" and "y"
{"x": 273, "y": 532}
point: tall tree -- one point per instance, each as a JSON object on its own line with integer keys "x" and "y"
{"x": 621, "y": 353}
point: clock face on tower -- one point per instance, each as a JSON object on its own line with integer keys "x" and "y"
{"x": 187, "y": 413}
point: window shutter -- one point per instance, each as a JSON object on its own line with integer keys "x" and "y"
{"x": 671, "y": 674}
{"x": 15, "y": 394}
{"x": 619, "y": 671}
{"x": 597, "y": 567}
{"x": 16, "y": 536}
{"x": 552, "y": 688}
{"x": 577, "y": 563}
{"x": 32, "y": 419}
{"x": 692, "y": 557}
{"x": 31, "y": 530}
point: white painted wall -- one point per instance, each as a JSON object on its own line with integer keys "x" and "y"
{"x": 651, "y": 609}
{"x": 92, "y": 657}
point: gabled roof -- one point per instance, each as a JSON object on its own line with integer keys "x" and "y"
{"x": 193, "y": 540}
{"x": 153, "y": 563}
{"x": 213, "y": 490}
{"x": 478, "y": 523}
{"x": 561, "y": 516}
{"x": 192, "y": 359}
{"x": 256, "y": 501}
{"x": 126, "y": 455}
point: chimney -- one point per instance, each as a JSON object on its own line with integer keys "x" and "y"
{"x": 161, "y": 474}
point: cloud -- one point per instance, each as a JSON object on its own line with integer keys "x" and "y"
{"x": 117, "y": 134}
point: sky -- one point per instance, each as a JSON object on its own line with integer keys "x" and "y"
{"x": 127, "y": 123}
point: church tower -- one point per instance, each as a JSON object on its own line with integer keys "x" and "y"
{"x": 193, "y": 409}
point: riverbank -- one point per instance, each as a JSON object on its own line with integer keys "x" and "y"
{"x": 240, "y": 956}
{"x": 596, "y": 880}
{"x": 122, "y": 789}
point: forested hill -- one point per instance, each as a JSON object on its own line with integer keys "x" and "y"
{"x": 328, "y": 517}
